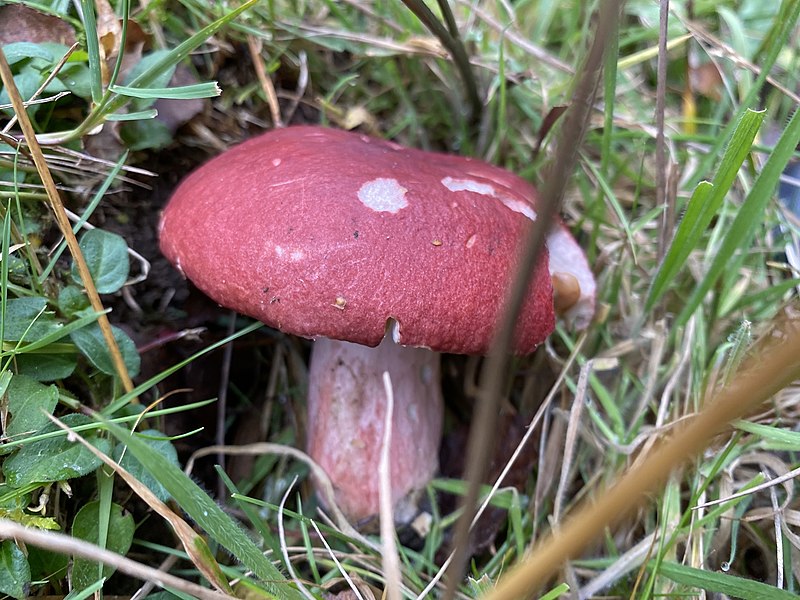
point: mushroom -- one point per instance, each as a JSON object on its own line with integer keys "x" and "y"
{"x": 386, "y": 256}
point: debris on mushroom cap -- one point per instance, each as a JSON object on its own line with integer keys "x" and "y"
{"x": 326, "y": 233}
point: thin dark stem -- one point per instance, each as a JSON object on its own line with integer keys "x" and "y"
{"x": 661, "y": 144}
{"x": 456, "y": 47}
{"x": 444, "y": 6}
{"x": 222, "y": 401}
{"x": 494, "y": 372}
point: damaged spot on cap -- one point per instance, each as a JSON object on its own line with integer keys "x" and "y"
{"x": 383, "y": 195}
{"x": 471, "y": 240}
{"x": 468, "y": 185}
{"x": 484, "y": 189}
{"x": 519, "y": 206}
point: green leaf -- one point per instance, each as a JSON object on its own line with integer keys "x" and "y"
{"x": 705, "y": 204}
{"x": 145, "y": 134}
{"x": 48, "y": 340}
{"x": 27, "y": 81}
{"x": 91, "y": 343}
{"x": 106, "y": 256}
{"x": 28, "y": 319}
{"x": 130, "y": 463}
{"x": 46, "y": 367}
{"x": 738, "y": 587}
{"x": 149, "y": 75}
{"x": 209, "y": 89}
{"x": 72, "y": 299}
{"x": 5, "y": 380}
{"x": 47, "y": 565}
{"x": 29, "y": 403}
{"x": 54, "y": 459}
{"x": 23, "y": 517}
{"x": 15, "y": 574}
{"x": 85, "y": 526}
{"x": 77, "y": 78}
{"x": 19, "y": 51}
{"x": 205, "y": 512}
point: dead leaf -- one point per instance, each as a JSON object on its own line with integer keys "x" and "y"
{"x": 706, "y": 80}
{"x": 20, "y": 23}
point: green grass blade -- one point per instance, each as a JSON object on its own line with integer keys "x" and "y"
{"x": 208, "y": 515}
{"x": 777, "y": 40}
{"x": 139, "y": 115}
{"x": 113, "y": 102}
{"x": 92, "y": 49}
{"x": 748, "y": 217}
{"x": 208, "y": 89}
{"x": 704, "y": 204}
{"x": 738, "y": 587}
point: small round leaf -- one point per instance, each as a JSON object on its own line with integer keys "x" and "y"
{"x": 106, "y": 256}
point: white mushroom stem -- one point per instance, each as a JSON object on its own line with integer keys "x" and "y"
{"x": 347, "y": 415}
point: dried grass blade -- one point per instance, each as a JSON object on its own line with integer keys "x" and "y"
{"x": 65, "y": 544}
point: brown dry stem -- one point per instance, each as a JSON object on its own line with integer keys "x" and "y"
{"x": 63, "y": 222}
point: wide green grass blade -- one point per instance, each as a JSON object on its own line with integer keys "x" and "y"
{"x": 776, "y": 42}
{"x": 92, "y": 49}
{"x": 737, "y": 587}
{"x": 741, "y": 232}
{"x": 208, "y": 89}
{"x": 205, "y": 512}
{"x": 705, "y": 204}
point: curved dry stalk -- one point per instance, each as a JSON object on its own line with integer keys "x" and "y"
{"x": 65, "y": 544}
{"x": 389, "y": 556}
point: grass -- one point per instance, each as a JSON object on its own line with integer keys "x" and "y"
{"x": 686, "y": 291}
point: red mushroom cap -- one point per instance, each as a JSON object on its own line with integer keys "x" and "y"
{"x": 320, "y": 232}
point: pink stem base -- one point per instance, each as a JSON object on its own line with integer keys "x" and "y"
{"x": 347, "y": 412}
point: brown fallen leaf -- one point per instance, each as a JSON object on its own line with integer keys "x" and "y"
{"x": 20, "y": 23}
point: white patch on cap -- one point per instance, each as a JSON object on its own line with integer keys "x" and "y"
{"x": 279, "y": 251}
{"x": 484, "y": 189}
{"x": 519, "y": 206}
{"x": 471, "y": 241}
{"x": 297, "y": 255}
{"x": 383, "y": 195}
{"x": 468, "y": 185}
{"x": 276, "y": 162}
